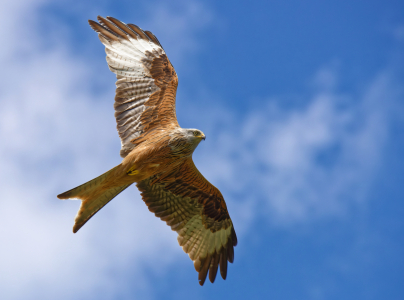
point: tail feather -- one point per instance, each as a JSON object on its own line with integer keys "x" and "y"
{"x": 94, "y": 195}
{"x": 84, "y": 190}
{"x": 91, "y": 206}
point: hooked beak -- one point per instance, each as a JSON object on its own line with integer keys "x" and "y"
{"x": 203, "y": 137}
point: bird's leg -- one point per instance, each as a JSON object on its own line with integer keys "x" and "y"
{"x": 132, "y": 171}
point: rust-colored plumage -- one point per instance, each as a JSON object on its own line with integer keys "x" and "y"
{"x": 157, "y": 152}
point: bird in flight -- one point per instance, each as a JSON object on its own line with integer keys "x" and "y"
{"x": 157, "y": 152}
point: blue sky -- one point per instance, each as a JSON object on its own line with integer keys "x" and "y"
{"x": 302, "y": 104}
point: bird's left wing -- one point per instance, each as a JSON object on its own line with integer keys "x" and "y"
{"x": 196, "y": 210}
{"x": 147, "y": 82}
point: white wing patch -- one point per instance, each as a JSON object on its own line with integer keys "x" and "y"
{"x": 198, "y": 241}
{"x": 127, "y": 58}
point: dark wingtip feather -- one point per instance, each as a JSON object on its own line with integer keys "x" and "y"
{"x": 93, "y": 24}
{"x": 204, "y": 270}
{"x": 123, "y": 27}
{"x": 106, "y": 33}
{"x": 230, "y": 253}
{"x": 153, "y": 38}
{"x": 223, "y": 263}
{"x": 111, "y": 26}
{"x": 139, "y": 31}
{"x": 213, "y": 267}
{"x": 233, "y": 236}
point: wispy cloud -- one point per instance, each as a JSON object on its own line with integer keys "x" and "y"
{"x": 178, "y": 24}
{"x": 289, "y": 165}
{"x": 56, "y": 134}
{"x": 306, "y": 162}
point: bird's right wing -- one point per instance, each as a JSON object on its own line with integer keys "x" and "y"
{"x": 147, "y": 82}
{"x": 196, "y": 210}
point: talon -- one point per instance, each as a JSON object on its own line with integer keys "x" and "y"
{"x": 132, "y": 171}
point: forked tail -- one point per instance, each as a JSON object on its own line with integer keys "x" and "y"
{"x": 94, "y": 196}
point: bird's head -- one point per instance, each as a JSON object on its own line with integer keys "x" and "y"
{"x": 195, "y": 135}
{"x": 183, "y": 139}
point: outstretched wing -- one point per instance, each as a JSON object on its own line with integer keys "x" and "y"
{"x": 147, "y": 82}
{"x": 196, "y": 210}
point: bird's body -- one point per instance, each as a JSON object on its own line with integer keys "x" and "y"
{"x": 157, "y": 152}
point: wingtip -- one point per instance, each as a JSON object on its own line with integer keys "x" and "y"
{"x": 109, "y": 18}
{"x": 93, "y": 25}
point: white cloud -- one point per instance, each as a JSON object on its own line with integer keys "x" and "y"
{"x": 302, "y": 164}
{"x": 292, "y": 165}
{"x": 57, "y": 134}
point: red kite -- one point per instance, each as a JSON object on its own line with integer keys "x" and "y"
{"x": 157, "y": 152}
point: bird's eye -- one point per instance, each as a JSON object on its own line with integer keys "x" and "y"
{"x": 196, "y": 133}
